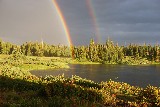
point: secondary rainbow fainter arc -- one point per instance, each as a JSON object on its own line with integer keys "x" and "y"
{"x": 94, "y": 19}
{"x": 63, "y": 21}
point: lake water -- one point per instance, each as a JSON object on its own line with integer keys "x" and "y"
{"x": 135, "y": 75}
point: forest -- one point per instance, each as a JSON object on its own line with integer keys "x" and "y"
{"x": 113, "y": 53}
{"x": 35, "y": 49}
{"x": 108, "y": 53}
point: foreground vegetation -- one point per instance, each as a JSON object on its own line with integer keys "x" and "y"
{"x": 26, "y": 90}
{"x": 18, "y": 88}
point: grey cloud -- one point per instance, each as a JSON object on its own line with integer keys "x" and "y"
{"x": 129, "y": 11}
{"x": 137, "y": 18}
{"x": 137, "y": 27}
{"x": 30, "y": 20}
{"x": 123, "y": 20}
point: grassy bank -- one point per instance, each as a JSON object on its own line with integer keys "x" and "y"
{"x": 34, "y": 63}
{"x": 83, "y": 62}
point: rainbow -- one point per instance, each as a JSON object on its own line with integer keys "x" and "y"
{"x": 94, "y": 19}
{"x": 63, "y": 21}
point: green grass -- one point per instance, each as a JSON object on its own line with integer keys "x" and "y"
{"x": 83, "y": 62}
{"x": 35, "y": 63}
{"x": 29, "y": 67}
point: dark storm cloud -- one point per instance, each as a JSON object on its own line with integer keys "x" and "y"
{"x": 75, "y": 11}
{"x": 123, "y": 20}
{"x": 133, "y": 21}
{"x": 78, "y": 19}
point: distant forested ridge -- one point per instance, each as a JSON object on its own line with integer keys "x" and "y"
{"x": 103, "y": 53}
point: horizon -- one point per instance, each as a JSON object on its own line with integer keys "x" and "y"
{"x": 119, "y": 44}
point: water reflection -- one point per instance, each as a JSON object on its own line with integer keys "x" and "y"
{"x": 134, "y": 75}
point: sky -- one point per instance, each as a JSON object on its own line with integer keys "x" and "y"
{"x": 123, "y": 21}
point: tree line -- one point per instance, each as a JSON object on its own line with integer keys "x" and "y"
{"x": 35, "y": 49}
{"x": 103, "y": 53}
{"x": 113, "y": 53}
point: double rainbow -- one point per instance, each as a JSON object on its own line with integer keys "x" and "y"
{"x": 64, "y": 23}
{"x": 92, "y": 14}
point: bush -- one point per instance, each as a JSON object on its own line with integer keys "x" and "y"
{"x": 150, "y": 95}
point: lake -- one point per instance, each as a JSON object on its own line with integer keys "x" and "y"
{"x": 140, "y": 75}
